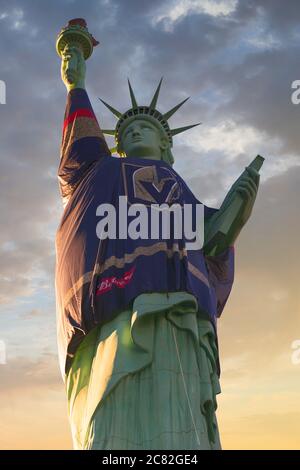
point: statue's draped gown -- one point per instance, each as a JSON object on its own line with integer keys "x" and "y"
{"x": 136, "y": 318}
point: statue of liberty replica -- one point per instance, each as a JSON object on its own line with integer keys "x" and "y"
{"x": 137, "y": 316}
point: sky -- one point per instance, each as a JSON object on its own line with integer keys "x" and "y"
{"x": 237, "y": 60}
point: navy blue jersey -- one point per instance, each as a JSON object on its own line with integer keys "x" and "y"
{"x": 97, "y": 278}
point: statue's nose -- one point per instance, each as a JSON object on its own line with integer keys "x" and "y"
{"x": 136, "y": 131}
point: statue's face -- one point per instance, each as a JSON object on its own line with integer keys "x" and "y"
{"x": 142, "y": 139}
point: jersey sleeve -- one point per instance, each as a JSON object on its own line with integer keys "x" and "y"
{"x": 83, "y": 143}
{"x": 220, "y": 269}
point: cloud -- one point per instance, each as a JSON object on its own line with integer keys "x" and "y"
{"x": 35, "y": 312}
{"x": 174, "y": 11}
{"x": 33, "y": 405}
{"x": 20, "y": 374}
{"x": 262, "y": 432}
{"x": 237, "y": 60}
{"x": 226, "y": 137}
{"x": 23, "y": 266}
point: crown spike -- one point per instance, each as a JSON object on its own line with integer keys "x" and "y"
{"x": 113, "y": 110}
{"x": 170, "y": 113}
{"x": 133, "y": 100}
{"x": 183, "y": 129}
{"x": 155, "y": 97}
{"x": 109, "y": 131}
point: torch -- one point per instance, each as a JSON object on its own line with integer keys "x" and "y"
{"x": 76, "y": 32}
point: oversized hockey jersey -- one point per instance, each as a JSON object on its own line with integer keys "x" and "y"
{"x": 97, "y": 278}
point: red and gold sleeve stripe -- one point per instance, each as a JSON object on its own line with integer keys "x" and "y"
{"x": 82, "y": 123}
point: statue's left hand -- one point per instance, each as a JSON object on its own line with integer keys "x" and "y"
{"x": 247, "y": 186}
{"x": 223, "y": 228}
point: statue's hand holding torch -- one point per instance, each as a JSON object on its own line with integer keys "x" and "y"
{"x": 73, "y": 67}
{"x": 74, "y": 45}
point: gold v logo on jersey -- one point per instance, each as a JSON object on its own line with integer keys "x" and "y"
{"x": 150, "y": 184}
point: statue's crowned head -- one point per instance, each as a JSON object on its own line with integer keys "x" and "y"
{"x": 144, "y": 132}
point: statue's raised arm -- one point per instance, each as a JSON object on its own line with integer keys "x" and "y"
{"x": 83, "y": 142}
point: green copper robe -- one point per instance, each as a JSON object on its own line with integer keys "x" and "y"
{"x": 147, "y": 379}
